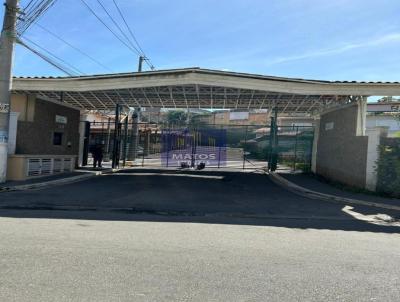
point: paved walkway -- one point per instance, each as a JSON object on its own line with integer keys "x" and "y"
{"x": 313, "y": 183}
{"x": 50, "y": 178}
{"x": 39, "y": 179}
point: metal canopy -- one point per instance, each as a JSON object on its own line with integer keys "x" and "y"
{"x": 199, "y": 88}
{"x": 190, "y": 96}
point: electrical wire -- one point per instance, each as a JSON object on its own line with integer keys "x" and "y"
{"x": 105, "y": 24}
{"x": 37, "y": 8}
{"x": 74, "y": 47}
{"x": 47, "y": 59}
{"x": 32, "y": 14}
{"x": 76, "y": 70}
{"x": 147, "y": 60}
{"x": 29, "y": 4}
{"x": 119, "y": 27}
{"x": 137, "y": 50}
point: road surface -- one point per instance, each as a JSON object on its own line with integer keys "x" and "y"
{"x": 229, "y": 237}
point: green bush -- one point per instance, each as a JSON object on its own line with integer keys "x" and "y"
{"x": 388, "y": 167}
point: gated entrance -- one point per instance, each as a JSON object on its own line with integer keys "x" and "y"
{"x": 216, "y": 146}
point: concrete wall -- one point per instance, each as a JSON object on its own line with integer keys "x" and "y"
{"x": 374, "y": 138}
{"x": 37, "y": 124}
{"x": 341, "y": 154}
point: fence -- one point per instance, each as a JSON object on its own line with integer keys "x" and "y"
{"x": 228, "y": 146}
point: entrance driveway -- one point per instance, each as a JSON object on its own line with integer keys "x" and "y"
{"x": 189, "y": 194}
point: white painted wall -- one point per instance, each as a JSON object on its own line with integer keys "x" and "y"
{"x": 12, "y": 132}
{"x": 374, "y": 135}
{"x": 389, "y": 121}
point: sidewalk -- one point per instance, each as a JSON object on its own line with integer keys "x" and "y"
{"x": 312, "y": 183}
{"x": 45, "y": 181}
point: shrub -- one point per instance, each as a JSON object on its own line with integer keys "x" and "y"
{"x": 388, "y": 167}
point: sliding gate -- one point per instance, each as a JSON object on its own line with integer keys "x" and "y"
{"x": 215, "y": 146}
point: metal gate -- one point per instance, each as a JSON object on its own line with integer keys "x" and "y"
{"x": 217, "y": 146}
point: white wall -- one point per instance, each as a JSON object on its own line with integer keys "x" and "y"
{"x": 390, "y": 121}
{"x": 374, "y": 135}
{"x": 12, "y": 132}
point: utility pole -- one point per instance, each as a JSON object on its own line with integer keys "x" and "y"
{"x": 7, "y": 40}
{"x": 141, "y": 59}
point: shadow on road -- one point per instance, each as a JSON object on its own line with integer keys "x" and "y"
{"x": 193, "y": 197}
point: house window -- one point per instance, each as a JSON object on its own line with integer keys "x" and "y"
{"x": 57, "y": 138}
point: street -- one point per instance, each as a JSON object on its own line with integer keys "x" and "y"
{"x": 96, "y": 260}
{"x": 214, "y": 236}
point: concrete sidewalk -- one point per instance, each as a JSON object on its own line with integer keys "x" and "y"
{"x": 47, "y": 181}
{"x": 310, "y": 184}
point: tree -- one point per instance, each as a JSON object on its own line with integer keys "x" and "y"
{"x": 176, "y": 117}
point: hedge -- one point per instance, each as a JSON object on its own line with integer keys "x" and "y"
{"x": 388, "y": 167}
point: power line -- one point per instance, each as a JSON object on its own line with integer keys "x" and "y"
{"x": 131, "y": 46}
{"x": 30, "y": 15}
{"x": 76, "y": 70}
{"x": 127, "y": 26}
{"x": 148, "y": 62}
{"x": 29, "y": 4}
{"x": 116, "y": 35}
{"x": 38, "y": 9}
{"x": 72, "y": 46}
{"x": 45, "y": 58}
{"x": 119, "y": 27}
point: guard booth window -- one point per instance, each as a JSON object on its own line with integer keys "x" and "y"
{"x": 57, "y": 138}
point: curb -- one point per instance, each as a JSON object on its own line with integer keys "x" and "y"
{"x": 130, "y": 210}
{"x": 46, "y": 184}
{"x": 283, "y": 182}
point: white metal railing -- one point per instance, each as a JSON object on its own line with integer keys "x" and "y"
{"x": 48, "y": 166}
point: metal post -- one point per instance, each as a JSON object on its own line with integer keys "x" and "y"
{"x": 275, "y": 161}
{"x": 219, "y": 148}
{"x": 144, "y": 143}
{"x": 125, "y": 141}
{"x": 146, "y": 150}
{"x": 168, "y": 137}
{"x": 115, "y": 143}
{"x": 102, "y": 134}
{"x": 244, "y": 148}
{"x": 193, "y": 150}
{"x": 118, "y": 153}
{"x": 188, "y": 117}
{"x": 7, "y": 42}
{"x": 86, "y": 144}
{"x": 108, "y": 139}
{"x": 273, "y": 156}
{"x": 295, "y": 149}
{"x": 271, "y": 140}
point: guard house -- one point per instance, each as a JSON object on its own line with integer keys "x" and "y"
{"x": 43, "y": 137}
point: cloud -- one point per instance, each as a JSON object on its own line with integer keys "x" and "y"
{"x": 389, "y": 38}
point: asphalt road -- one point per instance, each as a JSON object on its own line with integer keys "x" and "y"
{"x": 199, "y": 194}
{"x": 126, "y": 260}
{"x": 213, "y": 237}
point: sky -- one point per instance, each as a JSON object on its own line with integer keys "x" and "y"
{"x": 313, "y": 39}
